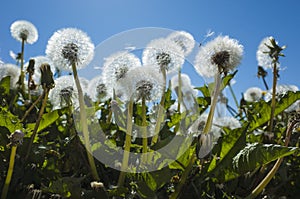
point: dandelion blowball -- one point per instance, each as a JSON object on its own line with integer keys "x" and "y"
{"x": 222, "y": 54}
{"x": 184, "y": 40}
{"x": 70, "y": 46}
{"x": 253, "y": 94}
{"x": 163, "y": 53}
{"x": 116, "y": 67}
{"x": 262, "y": 56}
{"x": 11, "y": 70}
{"x": 24, "y": 30}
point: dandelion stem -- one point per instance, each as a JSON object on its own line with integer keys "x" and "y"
{"x": 144, "y": 129}
{"x": 216, "y": 93}
{"x": 83, "y": 121}
{"x": 9, "y": 172}
{"x": 233, "y": 95}
{"x": 273, "y": 102}
{"x": 127, "y": 144}
{"x": 31, "y": 107}
{"x": 37, "y": 124}
{"x": 160, "y": 116}
{"x": 22, "y": 75}
{"x": 179, "y": 91}
{"x": 276, "y": 166}
{"x": 265, "y": 83}
{"x": 184, "y": 177}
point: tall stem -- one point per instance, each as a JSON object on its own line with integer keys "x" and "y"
{"x": 216, "y": 93}
{"x": 31, "y": 107}
{"x": 144, "y": 130}
{"x": 127, "y": 144}
{"x": 83, "y": 121}
{"x": 233, "y": 95}
{"x": 160, "y": 116}
{"x": 179, "y": 91}
{"x": 37, "y": 124}
{"x": 9, "y": 172}
{"x": 273, "y": 102}
{"x": 22, "y": 75}
{"x": 276, "y": 166}
{"x": 183, "y": 178}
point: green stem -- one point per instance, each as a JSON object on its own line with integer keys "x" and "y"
{"x": 276, "y": 166}
{"x": 160, "y": 116}
{"x": 179, "y": 91}
{"x": 83, "y": 121}
{"x": 127, "y": 144}
{"x": 184, "y": 177}
{"x": 41, "y": 112}
{"x": 216, "y": 93}
{"x": 144, "y": 130}
{"x": 233, "y": 95}
{"x": 22, "y": 75}
{"x": 9, "y": 172}
{"x": 273, "y": 102}
{"x": 31, "y": 107}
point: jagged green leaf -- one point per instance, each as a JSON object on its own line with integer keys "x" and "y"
{"x": 227, "y": 147}
{"x": 261, "y": 111}
{"x": 9, "y": 120}
{"x": 257, "y": 154}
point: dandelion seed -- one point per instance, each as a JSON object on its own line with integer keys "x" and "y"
{"x": 220, "y": 55}
{"x": 253, "y": 94}
{"x": 115, "y": 69}
{"x": 184, "y": 39}
{"x": 24, "y": 30}
{"x": 68, "y": 46}
{"x": 163, "y": 53}
{"x": 10, "y": 70}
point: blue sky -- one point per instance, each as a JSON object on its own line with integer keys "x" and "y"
{"x": 247, "y": 21}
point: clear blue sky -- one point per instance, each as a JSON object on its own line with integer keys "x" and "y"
{"x": 247, "y": 21}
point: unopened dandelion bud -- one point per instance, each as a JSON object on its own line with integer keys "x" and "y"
{"x": 46, "y": 76}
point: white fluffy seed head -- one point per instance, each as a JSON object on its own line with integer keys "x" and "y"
{"x": 163, "y": 53}
{"x": 11, "y": 70}
{"x": 184, "y": 40}
{"x": 24, "y": 30}
{"x": 253, "y": 94}
{"x": 221, "y": 52}
{"x": 97, "y": 90}
{"x": 68, "y": 46}
{"x": 144, "y": 82}
{"x": 115, "y": 69}
{"x": 262, "y": 55}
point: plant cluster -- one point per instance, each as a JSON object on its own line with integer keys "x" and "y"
{"x": 140, "y": 129}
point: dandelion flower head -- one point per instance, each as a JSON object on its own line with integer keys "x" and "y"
{"x": 262, "y": 55}
{"x": 116, "y": 67}
{"x": 163, "y": 53}
{"x": 253, "y": 94}
{"x": 24, "y": 30}
{"x": 144, "y": 82}
{"x": 65, "y": 93}
{"x": 184, "y": 39}
{"x": 68, "y": 46}
{"x": 221, "y": 54}
{"x": 11, "y": 70}
{"x": 186, "y": 86}
{"x": 97, "y": 90}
